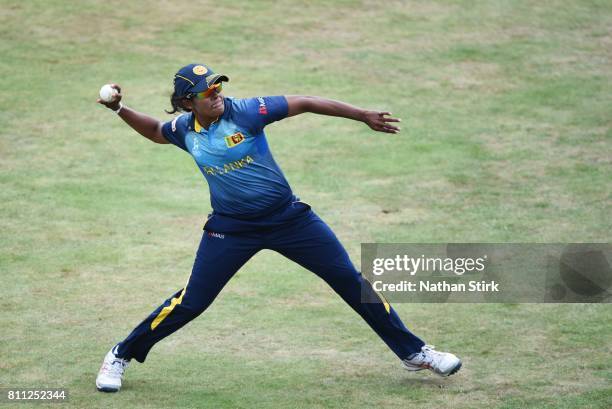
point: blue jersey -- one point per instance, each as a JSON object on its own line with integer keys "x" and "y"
{"x": 234, "y": 157}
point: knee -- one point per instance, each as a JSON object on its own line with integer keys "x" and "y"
{"x": 196, "y": 301}
{"x": 194, "y": 307}
{"x": 344, "y": 278}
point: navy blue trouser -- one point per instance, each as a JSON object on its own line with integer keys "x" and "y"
{"x": 297, "y": 233}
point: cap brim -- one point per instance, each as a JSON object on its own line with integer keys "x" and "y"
{"x": 210, "y": 80}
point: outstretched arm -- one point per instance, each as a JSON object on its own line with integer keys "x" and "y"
{"x": 378, "y": 121}
{"x": 145, "y": 125}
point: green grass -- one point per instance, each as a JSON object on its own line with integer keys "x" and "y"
{"x": 506, "y": 137}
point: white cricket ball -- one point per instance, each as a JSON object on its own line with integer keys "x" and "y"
{"x": 108, "y": 93}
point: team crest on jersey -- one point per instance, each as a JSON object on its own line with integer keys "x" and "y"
{"x": 233, "y": 140}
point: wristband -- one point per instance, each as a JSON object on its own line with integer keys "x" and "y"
{"x": 118, "y": 109}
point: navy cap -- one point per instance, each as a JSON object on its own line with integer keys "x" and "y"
{"x": 194, "y": 78}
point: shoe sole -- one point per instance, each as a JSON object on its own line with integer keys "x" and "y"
{"x": 455, "y": 369}
{"x": 412, "y": 368}
{"x": 106, "y": 389}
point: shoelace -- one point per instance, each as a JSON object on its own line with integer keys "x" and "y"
{"x": 425, "y": 358}
{"x": 117, "y": 367}
{"x": 431, "y": 354}
{"x": 429, "y": 348}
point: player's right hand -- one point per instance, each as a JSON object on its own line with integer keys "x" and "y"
{"x": 114, "y": 105}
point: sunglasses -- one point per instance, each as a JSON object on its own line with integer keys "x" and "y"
{"x": 216, "y": 88}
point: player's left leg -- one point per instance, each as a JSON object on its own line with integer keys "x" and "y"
{"x": 310, "y": 242}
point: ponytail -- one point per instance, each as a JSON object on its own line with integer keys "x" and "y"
{"x": 177, "y": 104}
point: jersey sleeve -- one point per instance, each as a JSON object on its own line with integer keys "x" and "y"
{"x": 174, "y": 131}
{"x": 256, "y": 113}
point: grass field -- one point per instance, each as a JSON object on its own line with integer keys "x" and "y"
{"x": 506, "y": 137}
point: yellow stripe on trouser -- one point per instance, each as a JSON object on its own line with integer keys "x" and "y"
{"x": 384, "y": 301}
{"x": 382, "y": 298}
{"x": 167, "y": 310}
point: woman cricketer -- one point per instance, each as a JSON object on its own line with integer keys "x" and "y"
{"x": 253, "y": 209}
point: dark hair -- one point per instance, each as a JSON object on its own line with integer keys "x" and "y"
{"x": 177, "y": 104}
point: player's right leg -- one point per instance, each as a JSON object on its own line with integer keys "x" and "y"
{"x": 218, "y": 258}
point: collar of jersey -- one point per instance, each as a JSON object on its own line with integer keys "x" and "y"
{"x": 196, "y": 125}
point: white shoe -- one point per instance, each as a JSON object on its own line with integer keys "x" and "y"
{"x": 109, "y": 377}
{"x": 441, "y": 363}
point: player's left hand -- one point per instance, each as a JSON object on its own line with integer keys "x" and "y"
{"x": 380, "y": 121}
